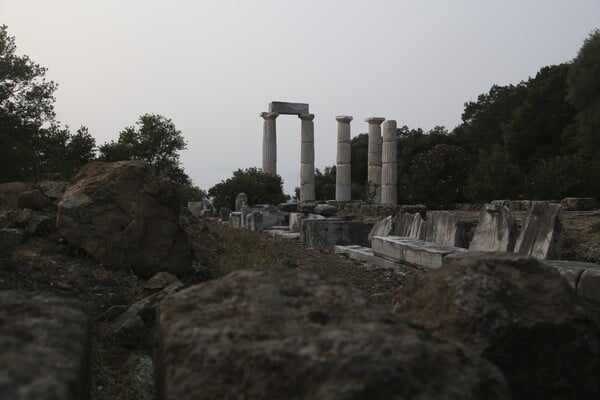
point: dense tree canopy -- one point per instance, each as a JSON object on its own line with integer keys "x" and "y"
{"x": 260, "y": 188}
{"x": 32, "y": 143}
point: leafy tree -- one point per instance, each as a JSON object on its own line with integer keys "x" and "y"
{"x": 154, "y": 139}
{"x": 534, "y": 130}
{"x": 24, "y": 91}
{"x": 325, "y": 183}
{"x": 584, "y": 93}
{"x": 260, "y": 188}
{"x": 436, "y": 177}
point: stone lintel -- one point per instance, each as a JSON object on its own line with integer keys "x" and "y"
{"x": 375, "y": 120}
{"x": 306, "y": 117}
{"x": 344, "y": 118}
{"x": 283, "y": 107}
{"x": 269, "y": 115}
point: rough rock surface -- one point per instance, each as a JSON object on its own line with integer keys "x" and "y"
{"x": 410, "y": 225}
{"x": 44, "y": 347}
{"x": 517, "y": 313}
{"x": 241, "y": 200}
{"x": 384, "y": 227}
{"x": 443, "y": 227}
{"x": 123, "y": 216}
{"x": 326, "y": 210}
{"x": 33, "y": 199}
{"x": 258, "y": 334}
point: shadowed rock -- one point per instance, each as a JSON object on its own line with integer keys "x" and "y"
{"x": 269, "y": 334}
{"x": 496, "y": 230}
{"x": 125, "y": 217}
{"x": 516, "y": 312}
{"x": 541, "y": 231}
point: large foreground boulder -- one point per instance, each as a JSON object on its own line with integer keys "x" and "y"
{"x": 44, "y": 348}
{"x": 516, "y": 312}
{"x": 269, "y": 334}
{"x": 123, "y": 216}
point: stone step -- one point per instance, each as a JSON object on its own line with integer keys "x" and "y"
{"x": 365, "y": 254}
{"x": 584, "y": 277}
{"x": 412, "y": 251}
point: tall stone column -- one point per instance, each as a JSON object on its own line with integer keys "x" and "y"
{"x": 269, "y": 164}
{"x": 343, "y": 181}
{"x": 374, "y": 155}
{"x": 307, "y": 158}
{"x": 389, "y": 160}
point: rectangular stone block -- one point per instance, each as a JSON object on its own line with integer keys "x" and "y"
{"x": 283, "y": 107}
{"x": 235, "y": 220}
{"x": 412, "y": 251}
{"x": 365, "y": 254}
{"x": 330, "y": 232}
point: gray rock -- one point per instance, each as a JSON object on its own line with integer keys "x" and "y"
{"x": 44, "y": 347}
{"x": 443, "y": 227}
{"x": 240, "y": 200}
{"x": 53, "y": 190}
{"x": 33, "y": 199}
{"x": 516, "y": 312}
{"x": 40, "y": 225}
{"x": 384, "y": 227}
{"x": 254, "y": 221}
{"x": 12, "y": 187}
{"x": 235, "y": 220}
{"x": 141, "y": 376}
{"x": 307, "y": 206}
{"x": 258, "y": 334}
{"x": 589, "y": 285}
{"x": 296, "y": 221}
{"x": 325, "y": 210}
{"x": 579, "y": 203}
{"x": 126, "y": 218}
{"x": 496, "y": 230}
{"x": 541, "y": 231}
{"x": 410, "y": 225}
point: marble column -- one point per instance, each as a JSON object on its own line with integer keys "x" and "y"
{"x": 343, "y": 182}
{"x": 307, "y": 158}
{"x": 389, "y": 161}
{"x": 269, "y": 164}
{"x": 374, "y": 155}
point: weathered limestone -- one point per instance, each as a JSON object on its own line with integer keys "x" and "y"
{"x": 235, "y": 220}
{"x": 330, "y": 232}
{"x": 254, "y": 221}
{"x": 412, "y": 251}
{"x": 307, "y": 158}
{"x": 240, "y": 200}
{"x": 410, "y": 225}
{"x": 374, "y": 155}
{"x": 269, "y": 165}
{"x": 282, "y": 107}
{"x": 44, "y": 347}
{"x": 389, "y": 170}
{"x": 385, "y": 227}
{"x": 496, "y": 230}
{"x": 365, "y": 254}
{"x": 343, "y": 180}
{"x": 541, "y": 231}
{"x": 296, "y": 221}
{"x": 443, "y": 227}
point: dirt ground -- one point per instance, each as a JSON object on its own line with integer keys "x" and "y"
{"x": 44, "y": 264}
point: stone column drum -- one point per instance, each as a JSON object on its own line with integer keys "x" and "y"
{"x": 389, "y": 160}
{"x": 307, "y": 158}
{"x": 343, "y": 181}
{"x": 374, "y": 155}
{"x": 269, "y": 164}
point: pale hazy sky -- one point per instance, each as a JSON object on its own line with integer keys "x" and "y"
{"x": 213, "y": 66}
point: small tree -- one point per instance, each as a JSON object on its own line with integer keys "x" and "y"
{"x": 258, "y": 186}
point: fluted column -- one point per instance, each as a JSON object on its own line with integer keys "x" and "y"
{"x": 269, "y": 164}
{"x": 307, "y": 158}
{"x": 389, "y": 160}
{"x": 374, "y": 155}
{"x": 343, "y": 181}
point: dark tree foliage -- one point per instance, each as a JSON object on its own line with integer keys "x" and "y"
{"x": 325, "y": 183}
{"x": 32, "y": 144}
{"x": 584, "y": 93}
{"x": 154, "y": 139}
{"x": 260, "y": 188}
